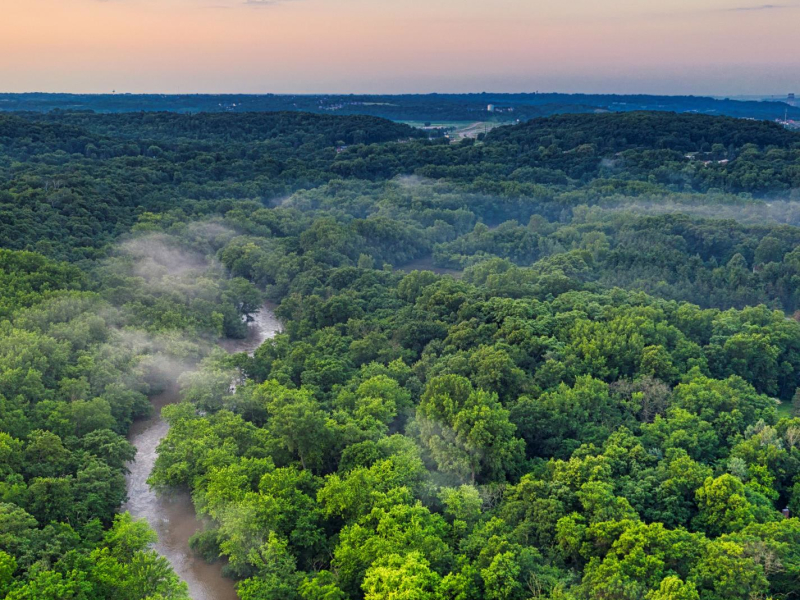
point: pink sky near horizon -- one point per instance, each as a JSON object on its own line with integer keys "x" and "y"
{"x": 721, "y": 47}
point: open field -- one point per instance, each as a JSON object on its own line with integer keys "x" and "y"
{"x": 458, "y": 130}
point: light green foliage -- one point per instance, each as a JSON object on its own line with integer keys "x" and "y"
{"x": 727, "y": 572}
{"x": 7, "y": 567}
{"x": 672, "y": 588}
{"x": 728, "y": 405}
{"x": 277, "y": 576}
{"x": 357, "y": 492}
{"x": 723, "y": 506}
{"x": 386, "y": 530}
{"x": 128, "y": 569}
{"x": 398, "y": 577}
{"x": 298, "y": 421}
{"x": 462, "y": 504}
{"x": 467, "y": 431}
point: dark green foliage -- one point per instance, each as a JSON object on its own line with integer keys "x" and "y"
{"x": 420, "y": 107}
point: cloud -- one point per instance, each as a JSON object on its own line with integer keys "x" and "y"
{"x": 763, "y": 7}
{"x": 263, "y": 3}
{"x": 243, "y": 4}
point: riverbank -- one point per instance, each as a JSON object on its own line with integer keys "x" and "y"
{"x": 172, "y": 515}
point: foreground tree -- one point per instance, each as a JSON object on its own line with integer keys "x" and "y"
{"x": 467, "y": 431}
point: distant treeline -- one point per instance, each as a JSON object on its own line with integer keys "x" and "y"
{"x": 406, "y": 107}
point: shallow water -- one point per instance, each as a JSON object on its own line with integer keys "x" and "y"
{"x": 172, "y": 515}
{"x": 264, "y": 325}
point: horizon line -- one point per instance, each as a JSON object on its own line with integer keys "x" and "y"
{"x": 764, "y": 96}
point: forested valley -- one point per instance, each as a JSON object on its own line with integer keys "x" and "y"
{"x": 560, "y": 361}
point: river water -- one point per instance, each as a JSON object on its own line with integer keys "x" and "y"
{"x": 172, "y": 515}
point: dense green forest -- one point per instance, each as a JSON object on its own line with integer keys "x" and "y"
{"x": 560, "y": 361}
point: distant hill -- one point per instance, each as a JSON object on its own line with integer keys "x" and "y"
{"x": 296, "y": 127}
{"x": 652, "y": 130}
{"x": 409, "y": 107}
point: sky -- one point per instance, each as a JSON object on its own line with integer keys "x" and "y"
{"x": 712, "y": 47}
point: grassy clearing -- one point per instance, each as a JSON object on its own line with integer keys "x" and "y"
{"x": 785, "y": 410}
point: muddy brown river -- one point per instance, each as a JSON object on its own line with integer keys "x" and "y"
{"x": 172, "y": 515}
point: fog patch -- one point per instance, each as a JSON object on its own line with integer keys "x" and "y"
{"x": 155, "y": 256}
{"x": 282, "y": 202}
{"x": 411, "y": 182}
{"x": 783, "y": 212}
{"x": 213, "y": 233}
